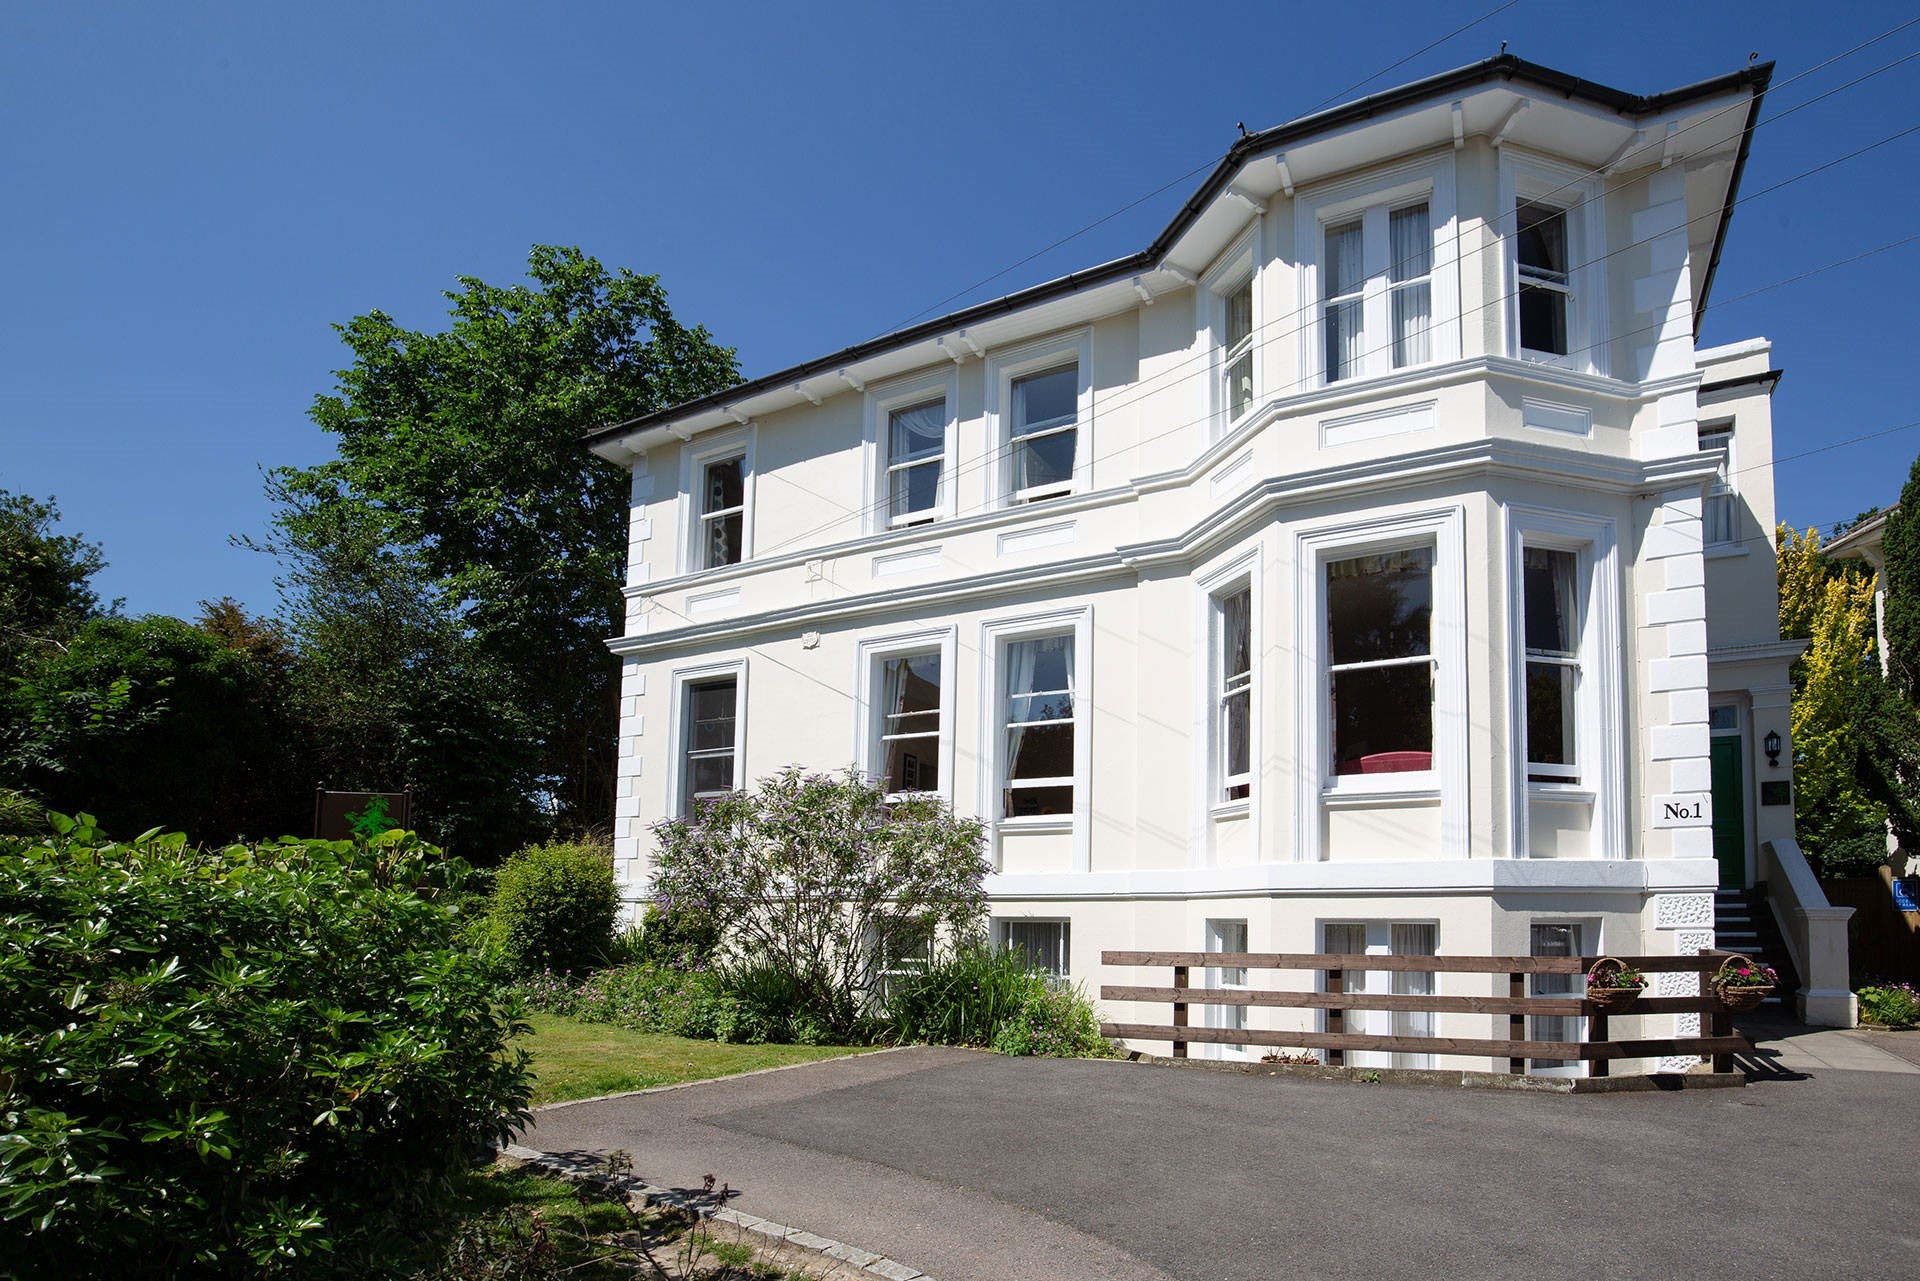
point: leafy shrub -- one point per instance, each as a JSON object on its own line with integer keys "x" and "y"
{"x": 553, "y": 907}
{"x": 244, "y": 1062}
{"x": 683, "y": 938}
{"x": 963, "y": 999}
{"x": 1891, "y": 1004}
{"x": 822, "y": 876}
{"x": 1057, "y": 1022}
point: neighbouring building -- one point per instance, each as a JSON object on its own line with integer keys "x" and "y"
{"x": 1373, "y": 563}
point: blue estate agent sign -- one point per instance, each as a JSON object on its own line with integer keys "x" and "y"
{"x": 1903, "y": 896}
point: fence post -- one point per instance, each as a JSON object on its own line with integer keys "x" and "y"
{"x": 1597, "y": 1031}
{"x": 1180, "y": 1010}
{"x": 1336, "y": 1018}
{"x": 1516, "y": 1023}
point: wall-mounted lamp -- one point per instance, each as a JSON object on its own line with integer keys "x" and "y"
{"x": 1772, "y": 743}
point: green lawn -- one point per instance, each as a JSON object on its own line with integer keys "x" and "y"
{"x": 575, "y": 1060}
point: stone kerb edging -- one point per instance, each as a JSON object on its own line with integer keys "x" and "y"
{"x": 637, "y": 1188}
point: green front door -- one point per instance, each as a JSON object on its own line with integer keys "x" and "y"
{"x": 1729, "y": 812}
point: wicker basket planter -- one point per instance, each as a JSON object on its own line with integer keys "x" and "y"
{"x": 1733, "y": 986}
{"x": 1605, "y": 991}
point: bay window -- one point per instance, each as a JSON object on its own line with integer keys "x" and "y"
{"x": 1236, "y": 356}
{"x": 1545, "y": 278}
{"x": 1378, "y": 299}
{"x": 1380, "y": 669}
{"x": 1550, "y": 613}
{"x": 1233, "y": 684}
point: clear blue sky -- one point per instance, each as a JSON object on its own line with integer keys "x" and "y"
{"x": 195, "y": 193}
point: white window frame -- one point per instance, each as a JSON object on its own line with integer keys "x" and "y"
{"x": 881, "y": 403}
{"x": 1006, "y": 367}
{"x": 1723, "y": 488}
{"x": 1219, "y": 978}
{"x": 995, "y": 636}
{"x": 679, "y": 741}
{"x": 1379, "y": 942}
{"x": 1537, "y": 180}
{"x": 695, "y": 458}
{"x": 872, "y": 656}
{"x": 1586, "y": 934}
{"x": 1371, "y": 199}
{"x": 1002, "y": 941}
{"x": 1599, "y": 726}
{"x": 1318, "y": 786}
{"x": 1237, "y": 268}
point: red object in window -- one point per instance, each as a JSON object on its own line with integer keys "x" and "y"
{"x": 1387, "y": 763}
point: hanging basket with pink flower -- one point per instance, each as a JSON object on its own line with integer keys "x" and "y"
{"x": 1613, "y": 985}
{"x": 1741, "y": 983}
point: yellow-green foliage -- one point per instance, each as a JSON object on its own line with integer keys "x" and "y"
{"x": 1833, "y": 610}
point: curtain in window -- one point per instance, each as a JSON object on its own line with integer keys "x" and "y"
{"x": 1413, "y": 940}
{"x": 893, "y": 684}
{"x": 1411, "y": 244}
{"x": 1021, "y": 659}
{"x": 1346, "y": 274}
{"x": 1555, "y": 940}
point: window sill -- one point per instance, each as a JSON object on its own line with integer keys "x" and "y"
{"x": 1358, "y": 791}
{"x": 1722, "y": 551}
{"x": 1230, "y": 809}
{"x": 1561, "y": 794}
{"x": 1036, "y": 824}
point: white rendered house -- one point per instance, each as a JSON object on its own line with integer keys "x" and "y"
{"x": 1371, "y": 564}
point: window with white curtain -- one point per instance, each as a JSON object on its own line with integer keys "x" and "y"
{"x": 907, "y": 711}
{"x": 1377, "y": 291}
{"x": 1233, "y": 685}
{"x": 1550, "y": 603}
{"x": 1227, "y": 936}
{"x": 1236, "y": 357}
{"x": 1043, "y": 944}
{"x": 916, "y": 459}
{"x": 1039, "y": 715}
{"x": 1385, "y": 938}
{"x": 1720, "y": 514}
{"x": 1044, "y": 434}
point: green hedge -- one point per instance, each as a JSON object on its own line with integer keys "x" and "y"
{"x": 246, "y": 1062}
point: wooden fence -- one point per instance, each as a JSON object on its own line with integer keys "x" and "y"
{"x": 1599, "y": 1048}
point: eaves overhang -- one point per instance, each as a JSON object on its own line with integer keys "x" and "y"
{"x": 949, "y": 334}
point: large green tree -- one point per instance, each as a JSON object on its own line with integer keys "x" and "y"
{"x": 460, "y": 460}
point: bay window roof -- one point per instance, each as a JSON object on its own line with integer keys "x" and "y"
{"x": 1707, "y": 126}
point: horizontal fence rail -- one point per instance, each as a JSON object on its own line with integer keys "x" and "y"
{"x": 1599, "y": 1048}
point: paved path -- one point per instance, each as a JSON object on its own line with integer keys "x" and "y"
{"x": 970, "y": 1165}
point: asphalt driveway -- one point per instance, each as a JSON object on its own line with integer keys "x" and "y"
{"x": 971, "y": 1165}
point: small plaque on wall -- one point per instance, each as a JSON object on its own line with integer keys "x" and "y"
{"x": 1778, "y": 792}
{"x": 1683, "y": 809}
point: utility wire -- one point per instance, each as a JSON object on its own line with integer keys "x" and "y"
{"x": 1139, "y": 391}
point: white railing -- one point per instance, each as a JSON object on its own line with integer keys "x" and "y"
{"x": 1815, "y": 932}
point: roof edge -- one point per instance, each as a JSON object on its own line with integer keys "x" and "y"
{"x": 1500, "y": 67}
